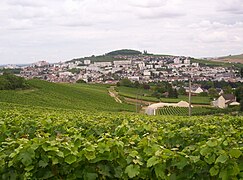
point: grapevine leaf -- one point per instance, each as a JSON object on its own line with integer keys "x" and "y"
{"x": 132, "y": 170}
{"x": 29, "y": 168}
{"x": 211, "y": 159}
{"x": 159, "y": 171}
{"x": 182, "y": 163}
{"x": 214, "y": 171}
{"x": 222, "y": 158}
{"x": 60, "y": 154}
{"x": 204, "y": 151}
{"x": 104, "y": 170}
{"x": 195, "y": 158}
{"x": 26, "y": 159}
{"x": 224, "y": 174}
{"x": 70, "y": 159}
{"x": 90, "y": 155}
{"x": 54, "y": 160}
{"x": 42, "y": 163}
{"x": 212, "y": 143}
{"x": 152, "y": 161}
{"x": 91, "y": 176}
{"x": 236, "y": 153}
{"x": 118, "y": 172}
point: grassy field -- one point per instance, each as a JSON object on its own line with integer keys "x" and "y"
{"x": 146, "y": 95}
{"x": 68, "y": 96}
{"x": 218, "y": 63}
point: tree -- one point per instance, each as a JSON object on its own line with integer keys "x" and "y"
{"x": 145, "y": 52}
{"x": 80, "y": 81}
{"x": 241, "y": 105}
{"x": 136, "y": 84}
{"x": 227, "y": 90}
{"x": 125, "y": 82}
{"x": 239, "y": 93}
{"x": 203, "y": 94}
{"x": 9, "y": 81}
{"x": 241, "y": 72}
{"x": 146, "y": 86}
{"x": 182, "y": 91}
{"x": 212, "y": 92}
{"x": 172, "y": 93}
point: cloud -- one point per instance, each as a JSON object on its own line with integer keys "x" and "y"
{"x": 25, "y": 3}
{"x": 231, "y": 6}
{"x": 157, "y": 13}
{"x": 63, "y": 29}
{"x": 147, "y": 3}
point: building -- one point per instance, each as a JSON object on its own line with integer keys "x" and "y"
{"x": 224, "y": 101}
{"x": 87, "y": 61}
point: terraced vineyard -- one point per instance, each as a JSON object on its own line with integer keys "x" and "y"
{"x": 68, "y": 96}
{"x": 48, "y": 143}
{"x": 183, "y": 111}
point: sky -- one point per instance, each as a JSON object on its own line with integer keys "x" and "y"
{"x": 60, "y": 30}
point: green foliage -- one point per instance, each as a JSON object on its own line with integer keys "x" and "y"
{"x": 241, "y": 72}
{"x": 124, "y": 52}
{"x": 241, "y": 105}
{"x": 182, "y": 91}
{"x": 212, "y": 92}
{"x": 227, "y": 90}
{"x": 203, "y": 94}
{"x": 74, "y": 70}
{"x": 125, "y": 82}
{"x": 11, "y": 82}
{"x": 148, "y": 95}
{"x": 69, "y": 96}
{"x": 80, "y": 81}
{"x": 67, "y": 144}
{"x": 183, "y": 111}
{"x": 11, "y": 71}
{"x": 239, "y": 93}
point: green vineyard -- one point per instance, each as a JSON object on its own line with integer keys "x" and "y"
{"x": 42, "y": 143}
{"x": 183, "y": 111}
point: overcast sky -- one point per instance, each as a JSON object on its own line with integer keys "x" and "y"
{"x": 58, "y": 30}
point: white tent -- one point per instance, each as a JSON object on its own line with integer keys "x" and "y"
{"x": 150, "y": 110}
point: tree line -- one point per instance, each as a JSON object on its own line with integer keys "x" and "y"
{"x": 9, "y": 81}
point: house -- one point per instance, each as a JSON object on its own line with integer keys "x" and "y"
{"x": 225, "y": 100}
{"x": 195, "y": 90}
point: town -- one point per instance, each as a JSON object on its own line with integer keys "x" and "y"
{"x": 141, "y": 68}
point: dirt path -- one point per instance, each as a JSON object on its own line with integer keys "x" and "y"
{"x": 114, "y": 94}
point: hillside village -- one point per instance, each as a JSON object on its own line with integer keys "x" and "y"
{"x": 140, "y": 68}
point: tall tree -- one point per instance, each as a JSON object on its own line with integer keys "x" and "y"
{"x": 241, "y": 105}
{"x": 212, "y": 92}
{"x": 239, "y": 93}
{"x": 227, "y": 90}
{"x": 241, "y": 72}
{"x": 182, "y": 91}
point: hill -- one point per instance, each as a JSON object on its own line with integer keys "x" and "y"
{"x": 67, "y": 96}
{"x": 109, "y": 56}
{"x": 230, "y": 59}
{"x": 124, "y": 52}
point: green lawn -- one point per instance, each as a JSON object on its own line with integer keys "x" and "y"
{"x": 68, "y": 96}
{"x": 146, "y": 95}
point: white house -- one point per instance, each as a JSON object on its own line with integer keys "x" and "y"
{"x": 195, "y": 90}
{"x": 225, "y": 100}
{"x": 87, "y": 61}
{"x": 198, "y": 90}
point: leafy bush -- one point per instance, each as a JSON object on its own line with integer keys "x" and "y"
{"x": 11, "y": 82}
